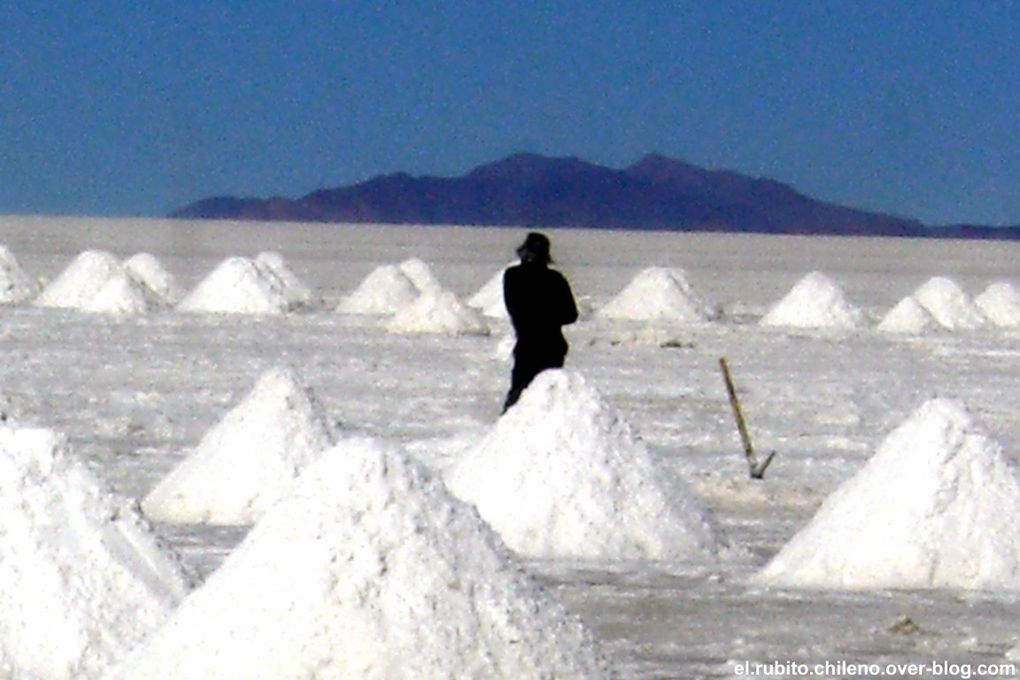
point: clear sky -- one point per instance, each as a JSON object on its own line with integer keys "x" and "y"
{"x": 136, "y": 107}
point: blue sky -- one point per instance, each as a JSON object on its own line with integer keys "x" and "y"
{"x": 135, "y": 108}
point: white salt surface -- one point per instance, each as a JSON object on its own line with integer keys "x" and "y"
{"x": 368, "y": 569}
{"x": 816, "y": 301}
{"x": 560, "y": 475}
{"x": 248, "y": 459}
{"x": 80, "y": 281}
{"x": 386, "y": 290}
{"x": 948, "y": 304}
{"x": 908, "y": 317}
{"x": 15, "y": 285}
{"x": 238, "y": 286}
{"x": 489, "y": 298}
{"x": 657, "y": 294}
{"x": 932, "y": 508}
{"x": 82, "y": 580}
{"x": 438, "y": 311}
{"x": 1000, "y": 302}
{"x": 160, "y": 285}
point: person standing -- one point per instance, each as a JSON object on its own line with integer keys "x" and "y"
{"x": 539, "y": 302}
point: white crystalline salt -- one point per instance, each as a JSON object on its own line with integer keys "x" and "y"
{"x": 421, "y": 275}
{"x": 1000, "y": 302}
{"x": 438, "y": 311}
{"x": 367, "y": 569}
{"x": 80, "y": 281}
{"x": 295, "y": 292}
{"x": 82, "y": 579}
{"x": 560, "y": 475}
{"x": 657, "y": 294}
{"x": 930, "y": 509}
{"x": 121, "y": 294}
{"x": 160, "y": 285}
{"x": 237, "y": 286}
{"x": 248, "y": 459}
{"x": 814, "y": 302}
{"x": 15, "y": 285}
{"x": 908, "y": 317}
{"x": 946, "y": 301}
{"x": 386, "y": 290}
{"x": 489, "y": 298}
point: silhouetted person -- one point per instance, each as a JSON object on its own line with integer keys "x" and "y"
{"x": 540, "y": 302}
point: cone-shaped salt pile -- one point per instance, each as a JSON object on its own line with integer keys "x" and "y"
{"x": 237, "y": 286}
{"x": 367, "y": 569}
{"x": 658, "y": 294}
{"x": 296, "y": 293}
{"x": 1000, "y": 302}
{"x": 438, "y": 311}
{"x": 932, "y": 508}
{"x": 80, "y": 281}
{"x": 248, "y": 459}
{"x": 82, "y": 579}
{"x": 908, "y": 317}
{"x": 946, "y": 301}
{"x": 561, "y": 476}
{"x": 15, "y": 284}
{"x": 160, "y": 286}
{"x": 386, "y": 290}
{"x": 489, "y": 298}
{"x": 121, "y": 294}
{"x": 814, "y": 302}
{"x": 421, "y": 275}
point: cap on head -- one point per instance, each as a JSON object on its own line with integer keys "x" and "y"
{"x": 535, "y": 248}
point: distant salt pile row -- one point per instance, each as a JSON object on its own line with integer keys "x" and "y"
{"x": 15, "y": 285}
{"x": 240, "y": 285}
{"x": 816, "y": 301}
{"x": 96, "y": 281}
{"x": 951, "y": 526}
{"x": 940, "y": 303}
{"x": 248, "y": 459}
{"x": 560, "y": 475}
{"x": 658, "y": 294}
{"x": 416, "y": 301}
{"x": 369, "y": 569}
{"x": 82, "y": 579}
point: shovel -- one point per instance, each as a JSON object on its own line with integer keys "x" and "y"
{"x": 755, "y": 467}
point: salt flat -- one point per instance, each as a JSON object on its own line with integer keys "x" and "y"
{"x": 134, "y": 393}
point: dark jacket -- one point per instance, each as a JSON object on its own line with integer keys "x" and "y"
{"x": 539, "y": 301}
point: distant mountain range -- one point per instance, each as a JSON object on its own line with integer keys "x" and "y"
{"x": 656, "y": 193}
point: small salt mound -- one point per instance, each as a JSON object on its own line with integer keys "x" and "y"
{"x": 237, "y": 286}
{"x": 438, "y": 312}
{"x": 489, "y": 298}
{"x": 1000, "y": 302}
{"x": 160, "y": 286}
{"x": 908, "y": 317}
{"x": 421, "y": 275}
{"x": 946, "y": 301}
{"x": 82, "y": 579}
{"x": 80, "y": 281}
{"x": 367, "y": 569}
{"x": 296, "y": 293}
{"x": 15, "y": 284}
{"x": 560, "y": 475}
{"x": 386, "y": 290}
{"x": 659, "y": 294}
{"x": 930, "y": 509}
{"x": 121, "y": 294}
{"x": 814, "y": 302}
{"x": 248, "y": 459}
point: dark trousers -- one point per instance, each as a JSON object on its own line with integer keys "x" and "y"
{"x": 530, "y": 359}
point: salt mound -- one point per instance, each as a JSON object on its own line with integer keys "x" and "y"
{"x": 15, "y": 284}
{"x": 660, "y": 294}
{"x": 438, "y": 312}
{"x": 421, "y": 275}
{"x": 80, "y": 281}
{"x": 561, "y": 476}
{"x": 1000, "y": 302}
{"x": 386, "y": 290}
{"x": 946, "y": 301}
{"x": 296, "y": 293}
{"x": 489, "y": 298}
{"x": 159, "y": 285}
{"x": 909, "y": 317}
{"x": 368, "y": 569}
{"x": 121, "y": 294}
{"x": 237, "y": 286}
{"x": 82, "y": 580}
{"x": 950, "y": 526}
{"x": 814, "y": 302}
{"x": 245, "y": 462}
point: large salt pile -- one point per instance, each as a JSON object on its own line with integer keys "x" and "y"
{"x": 15, "y": 285}
{"x": 560, "y": 475}
{"x": 386, "y": 290}
{"x": 367, "y": 569}
{"x": 908, "y": 317}
{"x": 248, "y": 459}
{"x": 946, "y": 301}
{"x": 238, "y": 285}
{"x": 82, "y": 579}
{"x": 931, "y": 508}
{"x": 121, "y": 294}
{"x": 295, "y": 292}
{"x": 1000, "y": 302}
{"x": 160, "y": 286}
{"x": 489, "y": 298}
{"x": 80, "y": 281}
{"x": 438, "y": 311}
{"x": 421, "y": 275}
{"x": 816, "y": 301}
{"x": 658, "y": 294}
